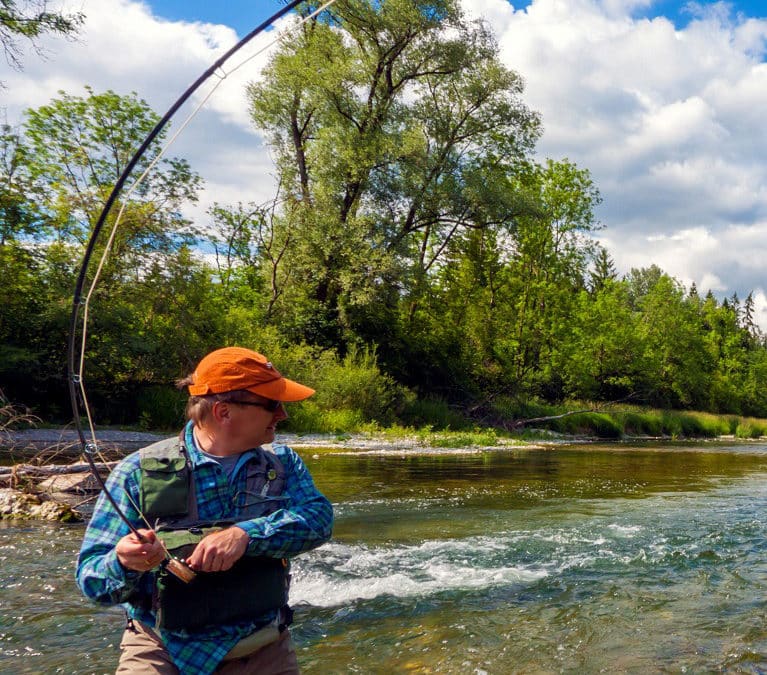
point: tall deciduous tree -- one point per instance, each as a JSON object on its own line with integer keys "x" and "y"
{"x": 65, "y": 164}
{"x": 395, "y": 129}
{"x": 79, "y": 146}
{"x": 20, "y": 215}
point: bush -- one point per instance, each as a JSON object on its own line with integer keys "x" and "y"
{"x": 432, "y": 412}
{"x": 357, "y": 384}
{"x": 161, "y": 407}
{"x": 750, "y": 429}
{"x": 308, "y": 417}
{"x": 352, "y": 386}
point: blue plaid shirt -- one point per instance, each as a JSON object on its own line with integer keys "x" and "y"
{"x": 304, "y": 523}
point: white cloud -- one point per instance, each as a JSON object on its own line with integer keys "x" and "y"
{"x": 670, "y": 121}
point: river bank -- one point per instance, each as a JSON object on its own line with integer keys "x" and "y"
{"x": 64, "y": 443}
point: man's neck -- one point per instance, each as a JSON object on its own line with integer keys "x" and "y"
{"x": 212, "y": 443}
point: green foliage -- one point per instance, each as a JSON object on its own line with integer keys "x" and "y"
{"x": 751, "y": 428}
{"x": 476, "y": 438}
{"x": 401, "y": 131}
{"x": 350, "y": 390}
{"x": 161, "y": 407}
{"x": 309, "y": 417}
{"x": 634, "y": 423}
{"x": 416, "y": 266}
{"x": 587, "y": 424}
{"x": 77, "y": 148}
{"x": 436, "y": 413}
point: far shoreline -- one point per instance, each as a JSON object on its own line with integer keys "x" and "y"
{"x": 61, "y": 444}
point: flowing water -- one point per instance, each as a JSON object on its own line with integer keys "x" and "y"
{"x": 621, "y": 558}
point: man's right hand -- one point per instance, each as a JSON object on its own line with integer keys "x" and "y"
{"x": 138, "y": 555}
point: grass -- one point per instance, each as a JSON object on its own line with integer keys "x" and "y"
{"x": 633, "y": 421}
{"x": 448, "y": 429}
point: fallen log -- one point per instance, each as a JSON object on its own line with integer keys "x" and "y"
{"x": 11, "y": 476}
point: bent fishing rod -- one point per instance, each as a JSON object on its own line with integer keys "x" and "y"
{"x": 77, "y": 392}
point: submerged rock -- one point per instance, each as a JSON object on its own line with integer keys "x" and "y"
{"x": 16, "y": 505}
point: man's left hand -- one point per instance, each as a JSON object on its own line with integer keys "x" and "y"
{"x": 219, "y": 550}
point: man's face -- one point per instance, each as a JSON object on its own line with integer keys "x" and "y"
{"x": 253, "y": 421}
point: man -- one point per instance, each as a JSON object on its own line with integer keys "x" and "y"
{"x": 230, "y": 509}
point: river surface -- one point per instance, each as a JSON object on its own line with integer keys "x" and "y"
{"x": 583, "y": 559}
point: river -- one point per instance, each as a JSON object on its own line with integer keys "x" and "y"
{"x": 629, "y": 558}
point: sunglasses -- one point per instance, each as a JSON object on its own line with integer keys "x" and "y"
{"x": 269, "y": 405}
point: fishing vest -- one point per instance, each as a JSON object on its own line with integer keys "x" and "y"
{"x": 255, "y": 585}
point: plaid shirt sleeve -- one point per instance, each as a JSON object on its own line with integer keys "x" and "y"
{"x": 99, "y": 574}
{"x": 304, "y": 524}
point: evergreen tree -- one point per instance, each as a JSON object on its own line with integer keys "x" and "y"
{"x": 604, "y": 271}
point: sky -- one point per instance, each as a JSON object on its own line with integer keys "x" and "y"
{"x": 664, "y": 102}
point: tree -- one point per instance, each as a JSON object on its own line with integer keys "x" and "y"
{"x": 641, "y": 281}
{"x": 603, "y": 272}
{"x": 395, "y": 129}
{"x": 551, "y": 254}
{"x": 56, "y": 176}
{"x": 30, "y": 19}
{"x": 678, "y": 364}
{"x": 603, "y": 357}
{"x": 749, "y": 322}
{"x": 79, "y": 146}
{"x": 19, "y": 215}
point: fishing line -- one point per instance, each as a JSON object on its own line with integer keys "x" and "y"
{"x": 76, "y": 378}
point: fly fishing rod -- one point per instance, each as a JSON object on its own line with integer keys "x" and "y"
{"x": 75, "y": 365}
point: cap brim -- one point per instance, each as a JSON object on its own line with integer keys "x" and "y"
{"x": 282, "y": 389}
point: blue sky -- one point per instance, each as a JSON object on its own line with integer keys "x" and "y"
{"x": 243, "y": 15}
{"x": 663, "y": 102}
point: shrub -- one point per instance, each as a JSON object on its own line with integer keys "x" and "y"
{"x": 750, "y": 429}
{"x": 356, "y": 383}
{"x": 160, "y": 407}
{"x": 308, "y": 417}
{"x": 433, "y": 412}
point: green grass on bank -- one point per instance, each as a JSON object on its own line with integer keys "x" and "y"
{"x": 435, "y": 424}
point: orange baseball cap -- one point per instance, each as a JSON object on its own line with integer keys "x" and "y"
{"x": 233, "y": 368}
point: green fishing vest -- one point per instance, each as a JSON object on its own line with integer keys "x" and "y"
{"x": 254, "y": 586}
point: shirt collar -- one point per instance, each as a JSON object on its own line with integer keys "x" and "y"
{"x": 196, "y": 455}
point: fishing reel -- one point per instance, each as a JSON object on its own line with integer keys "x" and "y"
{"x": 179, "y": 569}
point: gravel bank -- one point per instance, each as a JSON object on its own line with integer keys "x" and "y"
{"x": 115, "y": 442}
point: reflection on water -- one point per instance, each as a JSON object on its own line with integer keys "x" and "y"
{"x": 584, "y": 558}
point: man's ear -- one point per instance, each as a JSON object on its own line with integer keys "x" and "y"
{"x": 221, "y": 412}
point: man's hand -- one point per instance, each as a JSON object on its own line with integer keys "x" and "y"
{"x": 138, "y": 555}
{"x": 219, "y": 550}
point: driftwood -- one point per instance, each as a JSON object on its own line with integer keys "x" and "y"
{"x": 517, "y": 424}
{"x": 12, "y": 476}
